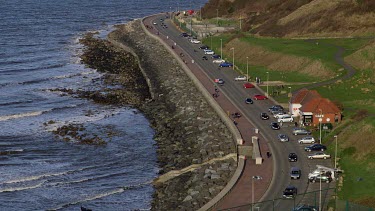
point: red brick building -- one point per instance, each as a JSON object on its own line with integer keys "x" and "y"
{"x": 311, "y": 108}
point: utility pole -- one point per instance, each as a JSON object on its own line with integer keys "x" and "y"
{"x": 217, "y": 17}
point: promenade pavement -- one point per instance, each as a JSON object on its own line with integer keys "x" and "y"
{"x": 240, "y": 197}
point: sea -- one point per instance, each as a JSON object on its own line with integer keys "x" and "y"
{"x": 39, "y": 53}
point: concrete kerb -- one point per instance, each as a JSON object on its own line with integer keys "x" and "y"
{"x": 227, "y": 121}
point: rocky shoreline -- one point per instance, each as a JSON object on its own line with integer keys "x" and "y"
{"x": 188, "y": 131}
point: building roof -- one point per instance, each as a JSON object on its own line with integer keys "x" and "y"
{"x": 304, "y": 95}
{"x": 320, "y": 105}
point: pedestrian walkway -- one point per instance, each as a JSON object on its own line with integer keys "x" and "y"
{"x": 241, "y": 194}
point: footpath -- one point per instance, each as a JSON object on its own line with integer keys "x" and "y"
{"x": 240, "y": 197}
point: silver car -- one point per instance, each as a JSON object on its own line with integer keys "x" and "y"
{"x": 283, "y": 138}
{"x": 307, "y": 140}
{"x": 301, "y": 131}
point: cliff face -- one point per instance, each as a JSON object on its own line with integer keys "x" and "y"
{"x": 291, "y": 18}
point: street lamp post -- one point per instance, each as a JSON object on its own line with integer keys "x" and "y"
{"x": 320, "y": 126}
{"x": 247, "y": 68}
{"x": 335, "y": 151}
{"x": 320, "y": 191}
{"x": 252, "y": 190}
{"x": 217, "y": 17}
{"x": 233, "y": 57}
{"x": 221, "y": 48}
{"x": 268, "y": 74}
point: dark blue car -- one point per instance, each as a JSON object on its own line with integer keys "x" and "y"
{"x": 226, "y": 64}
{"x": 215, "y": 56}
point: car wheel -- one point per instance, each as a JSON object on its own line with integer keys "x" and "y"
{"x": 322, "y": 150}
{"x": 324, "y": 158}
{"x": 327, "y": 181}
{"x": 311, "y": 158}
{"x": 313, "y": 181}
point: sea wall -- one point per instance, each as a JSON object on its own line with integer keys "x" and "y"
{"x": 188, "y": 130}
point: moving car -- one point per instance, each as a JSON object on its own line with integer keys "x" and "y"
{"x": 260, "y": 97}
{"x": 219, "y": 81}
{"x": 320, "y": 178}
{"x": 275, "y": 126}
{"x": 290, "y": 192}
{"x": 236, "y": 115}
{"x": 319, "y": 155}
{"x": 307, "y": 140}
{"x": 283, "y": 138}
{"x": 204, "y": 58}
{"x": 285, "y": 118}
{"x": 226, "y": 64}
{"x": 248, "y": 85}
{"x": 295, "y": 173}
{"x": 248, "y": 101}
{"x": 292, "y": 157}
{"x": 240, "y": 78}
{"x": 264, "y": 116}
{"x": 300, "y": 131}
{"x": 315, "y": 147}
{"x": 218, "y": 61}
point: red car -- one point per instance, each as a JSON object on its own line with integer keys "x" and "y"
{"x": 260, "y": 97}
{"x": 248, "y": 85}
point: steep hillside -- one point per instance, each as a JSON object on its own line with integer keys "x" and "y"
{"x": 363, "y": 59}
{"x": 298, "y": 18}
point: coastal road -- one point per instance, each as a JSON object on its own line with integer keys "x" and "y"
{"x": 237, "y": 94}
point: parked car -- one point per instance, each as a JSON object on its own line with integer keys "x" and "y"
{"x": 195, "y": 41}
{"x": 215, "y": 56}
{"x": 315, "y": 147}
{"x": 290, "y": 192}
{"x": 204, "y": 47}
{"x": 275, "y": 126}
{"x": 295, "y": 173}
{"x": 282, "y": 137}
{"x": 260, "y": 97}
{"x": 184, "y": 34}
{"x": 300, "y": 131}
{"x": 278, "y": 107}
{"x": 285, "y": 118}
{"x": 209, "y": 52}
{"x": 305, "y": 207}
{"x": 306, "y": 140}
{"x": 319, "y": 155}
{"x": 248, "y": 101}
{"x": 248, "y": 85}
{"x": 218, "y": 61}
{"x": 240, "y": 78}
{"x": 279, "y": 113}
{"x": 226, "y": 64}
{"x": 292, "y": 157}
{"x": 320, "y": 178}
{"x": 264, "y": 116}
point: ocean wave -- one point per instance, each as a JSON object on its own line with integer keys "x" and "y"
{"x": 101, "y": 195}
{"x": 12, "y": 189}
{"x": 16, "y": 102}
{"x": 22, "y": 115}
